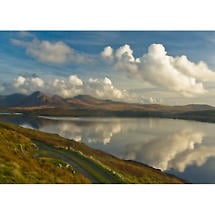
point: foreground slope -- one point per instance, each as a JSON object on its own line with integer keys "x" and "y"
{"x": 30, "y": 156}
{"x": 20, "y": 164}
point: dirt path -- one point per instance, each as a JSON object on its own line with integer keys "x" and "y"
{"x": 96, "y": 173}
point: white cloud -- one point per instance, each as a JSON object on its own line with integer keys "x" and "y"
{"x": 19, "y": 81}
{"x": 74, "y": 80}
{"x": 107, "y": 81}
{"x": 37, "y": 82}
{"x": 65, "y": 87}
{"x": 51, "y": 52}
{"x": 45, "y": 51}
{"x": 104, "y": 89}
{"x": 125, "y": 53}
{"x": 25, "y": 84}
{"x": 96, "y": 87}
{"x": 200, "y": 71}
{"x": 157, "y": 68}
{"x": 107, "y": 53}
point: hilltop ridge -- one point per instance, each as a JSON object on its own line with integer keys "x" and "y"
{"x": 38, "y": 99}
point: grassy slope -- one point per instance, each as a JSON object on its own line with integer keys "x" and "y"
{"x": 19, "y": 165}
{"x": 102, "y": 166}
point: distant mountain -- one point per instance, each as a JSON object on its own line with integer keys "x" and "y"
{"x": 199, "y": 107}
{"x": 85, "y": 102}
{"x": 36, "y": 99}
{"x": 11, "y": 100}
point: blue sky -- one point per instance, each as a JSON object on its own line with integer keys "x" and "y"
{"x": 71, "y": 62}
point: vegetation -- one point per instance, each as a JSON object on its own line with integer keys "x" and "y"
{"x": 30, "y": 156}
{"x": 19, "y": 163}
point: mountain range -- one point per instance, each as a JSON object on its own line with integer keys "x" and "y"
{"x": 40, "y": 100}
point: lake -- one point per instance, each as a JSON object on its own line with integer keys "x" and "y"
{"x": 183, "y": 148}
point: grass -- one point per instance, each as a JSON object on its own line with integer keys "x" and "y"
{"x": 19, "y": 165}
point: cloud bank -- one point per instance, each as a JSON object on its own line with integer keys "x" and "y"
{"x": 66, "y": 87}
{"x": 159, "y": 69}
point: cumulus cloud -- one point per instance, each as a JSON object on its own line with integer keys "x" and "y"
{"x": 74, "y": 80}
{"x": 125, "y": 53}
{"x": 24, "y": 84}
{"x": 50, "y": 52}
{"x": 66, "y": 87}
{"x": 19, "y": 81}
{"x": 200, "y": 71}
{"x": 38, "y": 82}
{"x": 105, "y": 89}
{"x": 159, "y": 69}
{"x": 102, "y": 88}
{"x": 107, "y": 53}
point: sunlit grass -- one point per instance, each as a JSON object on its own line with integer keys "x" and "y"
{"x": 18, "y": 164}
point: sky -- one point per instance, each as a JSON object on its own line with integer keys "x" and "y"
{"x": 165, "y": 67}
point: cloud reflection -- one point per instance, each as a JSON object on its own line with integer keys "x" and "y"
{"x": 163, "y": 144}
{"x": 160, "y": 152}
{"x": 99, "y": 132}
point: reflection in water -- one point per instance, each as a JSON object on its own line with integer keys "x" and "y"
{"x": 99, "y": 132}
{"x": 168, "y": 152}
{"x": 176, "y": 150}
{"x": 167, "y": 144}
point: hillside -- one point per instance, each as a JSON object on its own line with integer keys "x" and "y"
{"x": 30, "y": 156}
{"x": 22, "y": 162}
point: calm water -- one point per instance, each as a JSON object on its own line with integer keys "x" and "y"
{"x": 184, "y": 148}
